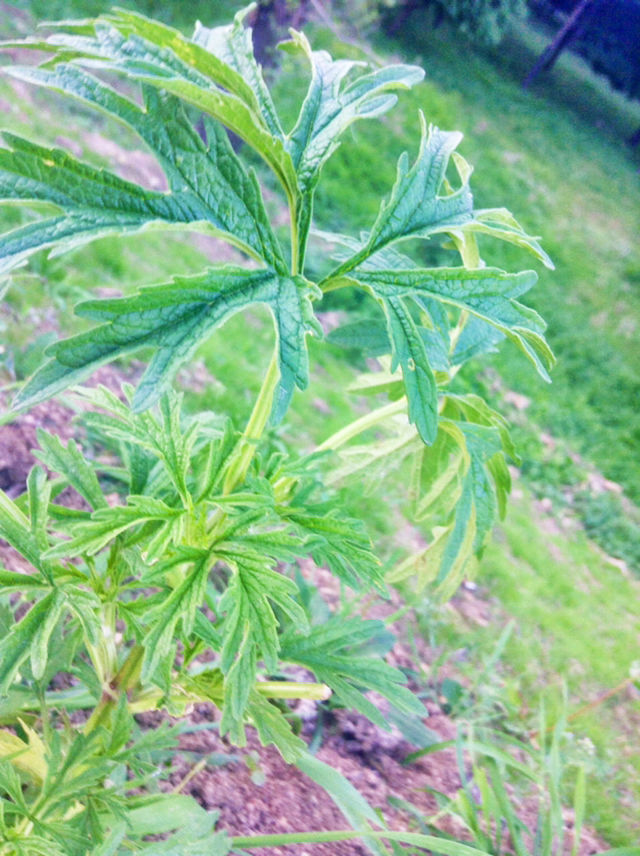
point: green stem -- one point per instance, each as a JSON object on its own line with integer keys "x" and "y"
{"x": 125, "y": 680}
{"x": 367, "y": 421}
{"x": 255, "y": 428}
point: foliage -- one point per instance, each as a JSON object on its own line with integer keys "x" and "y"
{"x": 486, "y": 808}
{"x": 193, "y": 558}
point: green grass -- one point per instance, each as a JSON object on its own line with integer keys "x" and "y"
{"x": 577, "y": 623}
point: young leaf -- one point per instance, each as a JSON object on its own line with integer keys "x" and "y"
{"x": 174, "y": 318}
{"x": 336, "y": 653}
{"x": 15, "y": 528}
{"x": 16, "y": 646}
{"x": 415, "y": 208}
{"x": 329, "y": 109}
{"x": 91, "y": 536}
{"x": 71, "y": 464}
{"x": 340, "y": 542}
{"x": 251, "y": 628}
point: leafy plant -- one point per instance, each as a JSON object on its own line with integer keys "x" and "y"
{"x": 182, "y": 590}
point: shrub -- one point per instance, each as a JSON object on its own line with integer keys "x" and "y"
{"x": 183, "y": 589}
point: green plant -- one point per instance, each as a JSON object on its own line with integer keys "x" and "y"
{"x": 194, "y": 558}
{"x": 489, "y": 802}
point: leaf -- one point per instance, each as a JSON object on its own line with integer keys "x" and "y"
{"x": 72, "y": 464}
{"x": 29, "y": 757}
{"x": 233, "y": 44}
{"x": 39, "y": 493}
{"x": 91, "y": 536}
{"x": 250, "y": 629}
{"x": 210, "y": 188}
{"x": 488, "y": 293}
{"x": 351, "y": 803}
{"x": 181, "y": 605}
{"x": 15, "y": 647}
{"x": 477, "y": 337}
{"x": 15, "y": 528}
{"x": 409, "y": 350}
{"x": 273, "y": 727}
{"x": 329, "y": 108}
{"x": 39, "y": 645}
{"x": 174, "y": 318}
{"x": 340, "y": 542}
{"x": 336, "y": 652}
{"x": 415, "y": 208}
{"x": 153, "y": 55}
{"x": 500, "y": 223}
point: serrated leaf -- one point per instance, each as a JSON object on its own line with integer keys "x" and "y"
{"x": 329, "y": 108}
{"x": 15, "y": 647}
{"x": 410, "y": 352}
{"x": 340, "y": 542}
{"x": 15, "y": 528}
{"x": 250, "y": 629}
{"x": 233, "y": 44}
{"x": 39, "y": 645}
{"x": 273, "y": 727}
{"x": 488, "y": 293}
{"x": 91, "y": 536}
{"x": 336, "y": 653}
{"x": 181, "y": 605}
{"x": 39, "y": 492}
{"x": 210, "y": 188}
{"x": 415, "y": 207}
{"x": 72, "y": 464}
{"x": 29, "y": 757}
{"x": 147, "y": 52}
{"x": 477, "y": 337}
{"x": 174, "y": 318}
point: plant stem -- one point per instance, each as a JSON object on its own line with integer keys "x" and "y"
{"x": 255, "y": 428}
{"x": 367, "y": 421}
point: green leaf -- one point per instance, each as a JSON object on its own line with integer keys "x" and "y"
{"x": 72, "y": 464}
{"x": 339, "y": 541}
{"x": 273, "y": 727}
{"x": 39, "y": 492}
{"x": 181, "y": 605}
{"x": 337, "y": 654}
{"x": 153, "y": 55}
{"x": 39, "y": 646}
{"x": 250, "y": 628}
{"x": 409, "y": 350}
{"x": 16, "y": 646}
{"x": 500, "y": 223}
{"x": 415, "y": 207}
{"x": 174, "y": 318}
{"x": 15, "y": 528}
{"x": 329, "y": 108}
{"x": 88, "y": 537}
{"x": 233, "y": 44}
{"x": 210, "y": 188}
{"x": 351, "y": 803}
{"x": 487, "y": 293}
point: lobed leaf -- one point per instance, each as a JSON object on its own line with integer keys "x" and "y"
{"x": 174, "y": 318}
{"x": 209, "y": 187}
{"x": 337, "y": 654}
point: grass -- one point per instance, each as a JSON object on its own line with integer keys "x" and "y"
{"x": 577, "y": 186}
